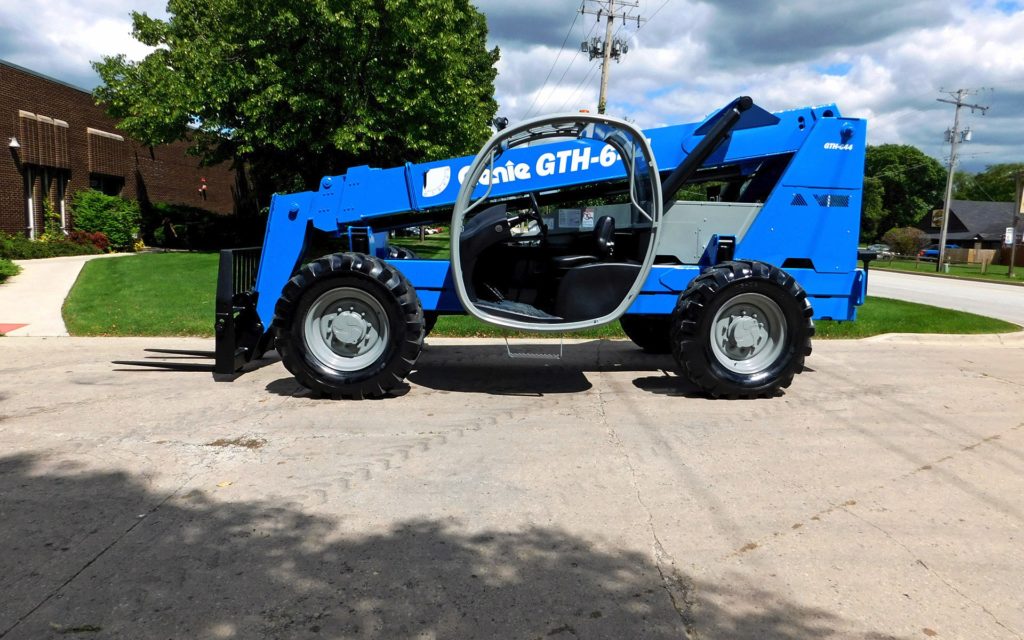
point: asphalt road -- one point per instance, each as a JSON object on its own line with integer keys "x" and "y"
{"x": 596, "y": 497}
{"x": 992, "y": 299}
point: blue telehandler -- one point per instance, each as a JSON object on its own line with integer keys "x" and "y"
{"x": 719, "y": 242}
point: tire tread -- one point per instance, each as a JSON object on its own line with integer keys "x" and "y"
{"x": 339, "y": 265}
{"x": 688, "y": 343}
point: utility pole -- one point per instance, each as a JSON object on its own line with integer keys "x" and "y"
{"x": 1017, "y": 210}
{"x": 609, "y": 47}
{"x": 954, "y": 136}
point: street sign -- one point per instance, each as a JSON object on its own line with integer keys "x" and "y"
{"x": 1020, "y": 195}
{"x": 1008, "y": 237}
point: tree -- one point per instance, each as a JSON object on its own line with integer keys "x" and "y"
{"x": 905, "y": 241}
{"x": 908, "y": 183}
{"x": 995, "y": 184}
{"x": 871, "y": 209}
{"x": 299, "y": 89}
{"x": 963, "y": 184}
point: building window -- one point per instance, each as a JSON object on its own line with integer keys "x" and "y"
{"x": 110, "y": 185}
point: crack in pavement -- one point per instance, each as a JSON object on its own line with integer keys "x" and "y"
{"x": 139, "y": 520}
{"x": 933, "y": 572}
{"x": 685, "y": 601}
{"x": 831, "y": 508}
{"x": 1015, "y": 383}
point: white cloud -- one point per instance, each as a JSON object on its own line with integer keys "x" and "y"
{"x": 885, "y": 62}
{"x": 61, "y": 37}
{"x": 880, "y": 60}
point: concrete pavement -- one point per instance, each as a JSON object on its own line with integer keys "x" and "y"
{"x": 35, "y": 296}
{"x": 595, "y": 497}
{"x": 1003, "y": 301}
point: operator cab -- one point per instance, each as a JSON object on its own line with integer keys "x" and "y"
{"x": 556, "y": 223}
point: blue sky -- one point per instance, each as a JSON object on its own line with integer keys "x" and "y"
{"x": 883, "y": 60}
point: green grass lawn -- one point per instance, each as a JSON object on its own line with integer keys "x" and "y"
{"x": 882, "y": 315}
{"x": 150, "y": 294}
{"x": 172, "y": 294}
{"x": 995, "y": 273}
{"x": 877, "y": 316}
{"x": 435, "y": 246}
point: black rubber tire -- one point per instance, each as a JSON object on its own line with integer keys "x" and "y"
{"x": 429, "y": 320}
{"x": 371, "y": 275}
{"x": 401, "y": 253}
{"x": 696, "y": 308}
{"x": 653, "y": 334}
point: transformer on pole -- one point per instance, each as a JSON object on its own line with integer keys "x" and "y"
{"x": 610, "y": 47}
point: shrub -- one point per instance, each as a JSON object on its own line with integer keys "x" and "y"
{"x": 96, "y": 239}
{"x": 116, "y": 217}
{"x": 905, "y": 241}
{"x": 8, "y": 269}
{"x": 21, "y": 248}
{"x": 51, "y": 223}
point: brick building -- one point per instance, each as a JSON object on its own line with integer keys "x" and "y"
{"x": 58, "y": 141}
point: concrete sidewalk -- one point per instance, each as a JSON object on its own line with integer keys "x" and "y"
{"x": 32, "y": 300}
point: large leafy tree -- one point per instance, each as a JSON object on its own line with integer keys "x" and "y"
{"x": 996, "y": 183}
{"x": 901, "y": 185}
{"x": 299, "y": 89}
{"x": 872, "y": 212}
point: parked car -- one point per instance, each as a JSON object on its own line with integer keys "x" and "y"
{"x": 883, "y": 251}
{"x": 931, "y": 252}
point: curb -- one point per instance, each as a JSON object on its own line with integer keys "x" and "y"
{"x": 84, "y": 258}
{"x": 947, "y": 277}
{"x": 1015, "y": 339}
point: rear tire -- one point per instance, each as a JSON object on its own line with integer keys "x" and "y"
{"x": 742, "y": 329}
{"x": 401, "y": 253}
{"x": 653, "y": 334}
{"x": 349, "y": 325}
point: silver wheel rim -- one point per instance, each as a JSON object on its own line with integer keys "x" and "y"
{"x": 346, "y": 329}
{"x": 748, "y": 333}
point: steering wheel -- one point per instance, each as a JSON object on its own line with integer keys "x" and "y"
{"x": 534, "y": 214}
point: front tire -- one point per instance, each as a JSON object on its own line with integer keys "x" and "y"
{"x": 349, "y": 325}
{"x": 742, "y": 329}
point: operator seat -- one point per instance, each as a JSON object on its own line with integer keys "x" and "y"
{"x": 604, "y": 247}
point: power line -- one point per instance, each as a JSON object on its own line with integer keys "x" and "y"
{"x": 575, "y": 93}
{"x": 900, "y": 168}
{"x": 654, "y": 14}
{"x": 579, "y": 88}
{"x": 559, "y": 83}
{"x": 645, "y": 21}
{"x": 568, "y": 33}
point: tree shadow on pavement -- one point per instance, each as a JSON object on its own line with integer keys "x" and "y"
{"x": 98, "y": 554}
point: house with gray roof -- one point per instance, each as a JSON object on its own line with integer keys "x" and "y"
{"x": 972, "y": 224}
